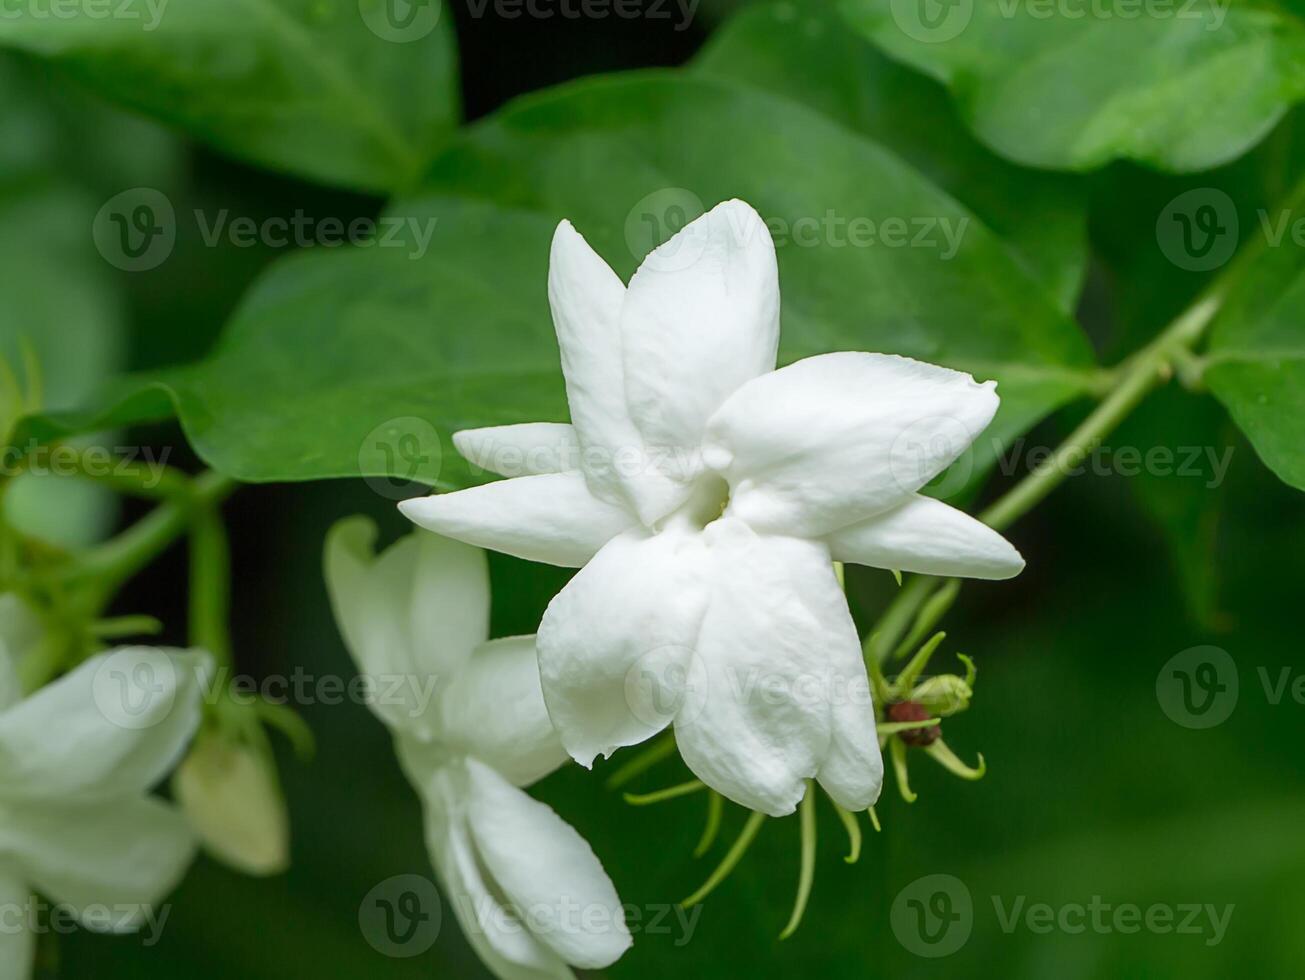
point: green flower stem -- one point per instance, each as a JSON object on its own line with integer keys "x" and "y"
{"x": 1138, "y": 375}
{"x": 118, "y": 559}
{"x": 210, "y": 585}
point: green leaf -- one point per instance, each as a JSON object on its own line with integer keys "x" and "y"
{"x": 629, "y": 158}
{"x": 1042, "y": 215}
{"x": 1069, "y": 84}
{"x": 331, "y": 91}
{"x": 1257, "y": 355}
{"x": 365, "y": 360}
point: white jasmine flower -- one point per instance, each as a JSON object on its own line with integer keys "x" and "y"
{"x": 706, "y": 495}
{"x": 471, "y": 729}
{"x": 77, "y": 823}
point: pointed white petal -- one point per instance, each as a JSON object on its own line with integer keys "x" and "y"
{"x": 17, "y": 941}
{"x": 115, "y": 724}
{"x": 520, "y": 450}
{"x": 701, "y": 317}
{"x": 410, "y": 616}
{"x": 756, "y": 720}
{"x": 120, "y": 853}
{"x": 551, "y": 518}
{"x": 548, "y": 871}
{"x": 494, "y": 710}
{"x": 834, "y": 439}
{"x": 615, "y": 645}
{"x": 927, "y": 536}
{"x": 586, "y": 298}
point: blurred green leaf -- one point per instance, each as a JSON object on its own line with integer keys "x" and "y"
{"x": 1257, "y": 357}
{"x": 351, "y": 92}
{"x": 1072, "y": 85}
{"x": 1042, "y": 215}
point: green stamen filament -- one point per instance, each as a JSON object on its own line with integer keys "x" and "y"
{"x": 807, "y": 871}
{"x": 661, "y": 795}
{"x": 715, "y": 807}
{"x": 853, "y": 834}
{"x": 642, "y": 762}
{"x": 736, "y": 852}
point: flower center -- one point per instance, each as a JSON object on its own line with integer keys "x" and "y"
{"x": 709, "y": 497}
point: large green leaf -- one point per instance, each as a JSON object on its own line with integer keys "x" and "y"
{"x": 1042, "y": 215}
{"x": 328, "y": 89}
{"x": 364, "y": 360}
{"x": 1257, "y": 355}
{"x": 1073, "y": 84}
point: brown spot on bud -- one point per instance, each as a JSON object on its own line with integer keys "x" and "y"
{"x": 914, "y": 711}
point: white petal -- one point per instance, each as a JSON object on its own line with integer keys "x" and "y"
{"x": 503, "y": 943}
{"x": 17, "y": 941}
{"x": 548, "y": 871}
{"x": 118, "y": 853}
{"x": 834, "y": 439}
{"x": 616, "y": 643}
{"x": 756, "y": 719}
{"x": 521, "y": 450}
{"x": 852, "y": 772}
{"x": 494, "y": 710}
{"x": 115, "y": 724}
{"x": 701, "y": 317}
{"x": 586, "y": 298}
{"x": 410, "y": 616}
{"x": 927, "y": 536}
{"x": 551, "y": 518}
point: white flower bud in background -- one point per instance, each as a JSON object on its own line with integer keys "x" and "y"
{"x": 230, "y": 794}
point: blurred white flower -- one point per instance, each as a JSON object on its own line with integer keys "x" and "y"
{"x": 77, "y": 823}
{"x": 527, "y": 889}
{"x": 706, "y": 495}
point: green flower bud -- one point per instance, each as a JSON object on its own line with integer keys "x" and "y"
{"x": 230, "y": 794}
{"x": 943, "y": 695}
